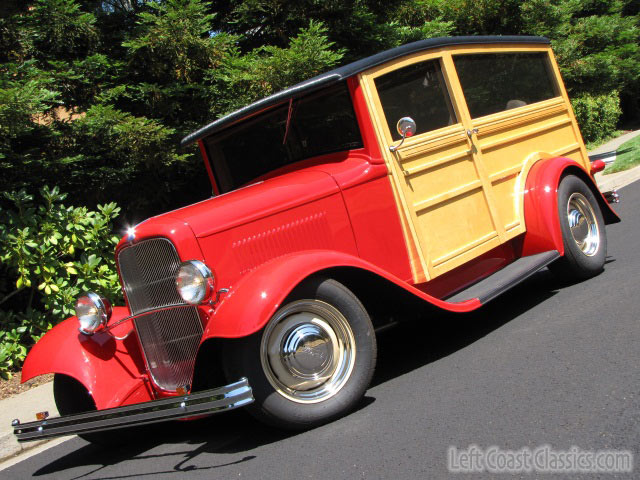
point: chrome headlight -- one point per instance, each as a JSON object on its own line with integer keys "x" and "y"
{"x": 195, "y": 282}
{"x": 93, "y": 312}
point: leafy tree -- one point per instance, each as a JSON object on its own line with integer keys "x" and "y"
{"x": 173, "y": 42}
{"x": 50, "y": 254}
{"x": 60, "y": 28}
{"x": 269, "y": 69}
{"x": 598, "y": 114}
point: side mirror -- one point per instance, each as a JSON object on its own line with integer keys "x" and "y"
{"x": 406, "y": 128}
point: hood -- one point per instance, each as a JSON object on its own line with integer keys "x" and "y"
{"x": 252, "y": 202}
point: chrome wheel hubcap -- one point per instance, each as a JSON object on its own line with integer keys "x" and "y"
{"x": 308, "y": 351}
{"x": 583, "y": 224}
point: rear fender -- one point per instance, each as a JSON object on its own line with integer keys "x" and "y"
{"x": 111, "y": 370}
{"x": 541, "y": 204}
{"x": 249, "y": 305}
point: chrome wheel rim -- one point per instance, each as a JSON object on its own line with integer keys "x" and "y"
{"x": 308, "y": 351}
{"x": 583, "y": 224}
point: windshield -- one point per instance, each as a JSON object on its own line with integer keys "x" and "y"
{"x": 304, "y": 128}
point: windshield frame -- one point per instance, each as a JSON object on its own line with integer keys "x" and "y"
{"x": 217, "y": 163}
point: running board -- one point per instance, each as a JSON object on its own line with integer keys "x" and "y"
{"x": 499, "y": 282}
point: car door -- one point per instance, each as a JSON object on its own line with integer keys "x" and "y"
{"x": 519, "y": 114}
{"x": 443, "y": 192}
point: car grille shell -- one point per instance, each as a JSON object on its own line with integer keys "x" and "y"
{"x": 169, "y": 330}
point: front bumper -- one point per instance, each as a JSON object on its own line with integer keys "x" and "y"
{"x": 216, "y": 400}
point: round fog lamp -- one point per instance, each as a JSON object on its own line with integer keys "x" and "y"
{"x": 194, "y": 282}
{"x": 93, "y": 312}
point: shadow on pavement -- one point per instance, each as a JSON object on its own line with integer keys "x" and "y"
{"x": 229, "y": 433}
{"x": 407, "y": 347}
{"x": 417, "y": 343}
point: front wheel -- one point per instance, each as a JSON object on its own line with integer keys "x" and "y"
{"x": 583, "y": 231}
{"x": 72, "y": 397}
{"x": 313, "y": 360}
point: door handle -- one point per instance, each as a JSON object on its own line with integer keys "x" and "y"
{"x": 471, "y": 132}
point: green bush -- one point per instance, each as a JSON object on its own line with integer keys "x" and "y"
{"x": 597, "y": 115}
{"x": 50, "y": 254}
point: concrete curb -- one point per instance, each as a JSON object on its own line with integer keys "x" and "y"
{"x": 612, "y": 145}
{"x": 25, "y": 405}
{"x": 617, "y": 180}
{"x": 10, "y": 448}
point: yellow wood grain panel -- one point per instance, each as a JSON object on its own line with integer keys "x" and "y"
{"x": 505, "y": 189}
{"x": 472, "y": 224}
{"x": 458, "y": 195}
{"x": 513, "y": 152}
{"x": 441, "y": 179}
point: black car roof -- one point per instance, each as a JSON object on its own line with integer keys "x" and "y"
{"x": 346, "y": 71}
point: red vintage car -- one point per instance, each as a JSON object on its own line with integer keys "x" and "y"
{"x": 444, "y": 171}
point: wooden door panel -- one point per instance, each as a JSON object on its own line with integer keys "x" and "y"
{"x": 454, "y": 227}
{"x": 444, "y": 195}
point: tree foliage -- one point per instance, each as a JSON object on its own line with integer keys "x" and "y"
{"x": 50, "y": 254}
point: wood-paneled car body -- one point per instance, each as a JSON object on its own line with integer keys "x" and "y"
{"x": 444, "y": 171}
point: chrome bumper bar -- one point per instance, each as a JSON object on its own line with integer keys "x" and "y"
{"x": 216, "y": 400}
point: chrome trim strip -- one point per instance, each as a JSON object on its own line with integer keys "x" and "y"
{"x": 208, "y": 402}
{"x": 144, "y": 312}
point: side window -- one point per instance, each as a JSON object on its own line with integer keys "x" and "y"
{"x": 417, "y": 91}
{"x": 494, "y": 82}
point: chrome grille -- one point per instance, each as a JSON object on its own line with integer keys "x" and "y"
{"x": 148, "y": 271}
{"x": 170, "y": 339}
{"x": 169, "y": 336}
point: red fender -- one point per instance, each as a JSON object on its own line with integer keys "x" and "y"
{"x": 252, "y": 302}
{"x": 111, "y": 370}
{"x": 541, "y": 204}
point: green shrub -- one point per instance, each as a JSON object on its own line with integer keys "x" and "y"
{"x": 597, "y": 115}
{"x": 50, "y": 254}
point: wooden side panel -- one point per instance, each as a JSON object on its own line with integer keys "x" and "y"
{"x": 442, "y": 182}
{"x": 507, "y": 139}
{"x": 460, "y": 188}
{"x": 455, "y": 244}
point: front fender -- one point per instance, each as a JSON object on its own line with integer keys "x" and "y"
{"x": 111, "y": 370}
{"x": 249, "y": 305}
{"x": 541, "y": 204}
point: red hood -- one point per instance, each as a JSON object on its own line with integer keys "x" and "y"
{"x": 254, "y": 201}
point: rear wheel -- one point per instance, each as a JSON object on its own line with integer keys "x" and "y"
{"x": 312, "y": 362}
{"x": 583, "y": 231}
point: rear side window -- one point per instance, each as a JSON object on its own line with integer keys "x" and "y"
{"x": 494, "y": 82}
{"x": 417, "y": 91}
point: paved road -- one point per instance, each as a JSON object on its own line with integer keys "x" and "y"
{"x": 544, "y": 364}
